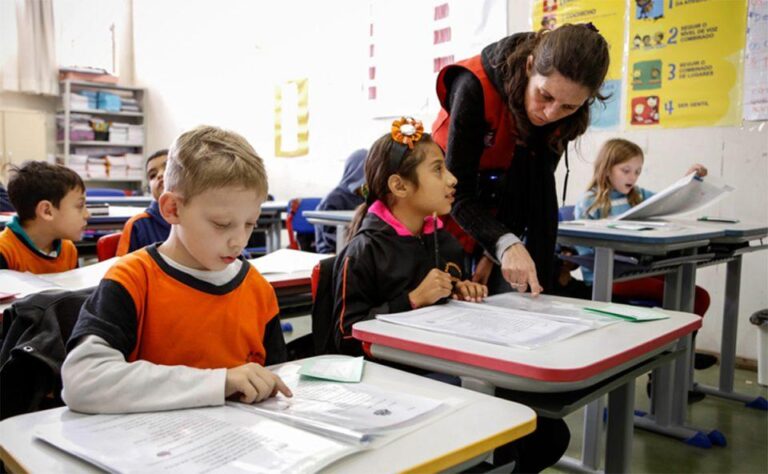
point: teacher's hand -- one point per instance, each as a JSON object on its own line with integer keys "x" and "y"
{"x": 518, "y": 269}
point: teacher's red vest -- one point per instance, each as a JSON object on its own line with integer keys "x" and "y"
{"x": 499, "y": 139}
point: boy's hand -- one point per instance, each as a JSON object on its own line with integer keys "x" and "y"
{"x": 437, "y": 284}
{"x": 470, "y": 291}
{"x": 254, "y": 383}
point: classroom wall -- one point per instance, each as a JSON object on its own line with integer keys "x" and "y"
{"x": 225, "y": 71}
{"x": 216, "y": 62}
{"x": 737, "y": 155}
{"x": 82, "y": 18}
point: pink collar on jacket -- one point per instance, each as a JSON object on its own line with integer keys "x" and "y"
{"x": 382, "y": 211}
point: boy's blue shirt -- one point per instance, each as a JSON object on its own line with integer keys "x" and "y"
{"x": 148, "y": 231}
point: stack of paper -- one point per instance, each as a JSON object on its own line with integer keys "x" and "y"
{"x": 118, "y": 132}
{"x": 97, "y": 167}
{"x": 493, "y": 324}
{"x": 135, "y": 134}
{"x": 287, "y": 261}
{"x": 135, "y": 163}
{"x": 79, "y": 164}
{"x": 117, "y": 166}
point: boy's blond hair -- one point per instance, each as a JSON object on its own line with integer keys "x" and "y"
{"x": 209, "y": 157}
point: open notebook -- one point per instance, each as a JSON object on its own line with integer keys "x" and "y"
{"x": 688, "y": 194}
{"x": 322, "y": 423}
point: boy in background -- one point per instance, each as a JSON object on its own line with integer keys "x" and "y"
{"x": 50, "y": 206}
{"x": 149, "y": 226}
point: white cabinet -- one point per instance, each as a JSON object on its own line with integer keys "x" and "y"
{"x": 22, "y": 138}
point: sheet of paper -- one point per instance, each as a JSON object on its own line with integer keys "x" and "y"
{"x": 631, "y": 313}
{"x": 351, "y": 412}
{"x": 686, "y": 195}
{"x": 495, "y": 325}
{"x": 220, "y": 439}
{"x": 337, "y": 369}
{"x": 88, "y": 276}
{"x": 22, "y": 284}
{"x": 552, "y": 308}
{"x": 287, "y": 261}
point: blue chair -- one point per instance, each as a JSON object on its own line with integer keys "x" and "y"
{"x": 301, "y": 234}
{"x": 104, "y": 192}
{"x": 565, "y": 213}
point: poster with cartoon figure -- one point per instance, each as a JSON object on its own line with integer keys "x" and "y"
{"x": 608, "y": 16}
{"x": 685, "y": 59}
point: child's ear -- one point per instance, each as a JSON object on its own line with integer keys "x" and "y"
{"x": 44, "y": 210}
{"x": 397, "y": 185}
{"x": 529, "y": 65}
{"x": 169, "y": 204}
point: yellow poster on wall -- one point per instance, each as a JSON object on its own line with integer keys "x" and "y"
{"x": 292, "y": 118}
{"x": 685, "y": 62}
{"x": 608, "y": 16}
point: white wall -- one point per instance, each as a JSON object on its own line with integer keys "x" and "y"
{"x": 218, "y": 63}
{"x": 739, "y": 155}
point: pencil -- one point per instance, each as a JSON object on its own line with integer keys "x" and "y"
{"x": 434, "y": 235}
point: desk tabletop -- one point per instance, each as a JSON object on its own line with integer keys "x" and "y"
{"x": 120, "y": 200}
{"x": 562, "y": 365}
{"x": 477, "y": 426}
{"x": 340, "y": 217}
{"x": 89, "y": 276}
{"x": 666, "y": 233}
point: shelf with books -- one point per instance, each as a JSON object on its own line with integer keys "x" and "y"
{"x": 99, "y": 124}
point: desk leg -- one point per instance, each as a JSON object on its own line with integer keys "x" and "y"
{"x": 277, "y": 229}
{"x": 730, "y": 324}
{"x": 602, "y": 290}
{"x": 618, "y": 449}
{"x": 602, "y": 287}
{"x": 728, "y": 338}
{"x": 341, "y": 237}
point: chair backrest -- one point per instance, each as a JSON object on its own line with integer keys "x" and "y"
{"x": 104, "y": 192}
{"x": 36, "y": 330}
{"x": 106, "y": 246}
{"x": 322, "y": 307}
{"x": 565, "y": 213}
{"x": 296, "y": 224}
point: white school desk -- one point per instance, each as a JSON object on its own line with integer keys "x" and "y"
{"x": 671, "y": 382}
{"x": 89, "y": 277}
{"x": 460, "y": 438}
{"x": 340, "y": 219}
{"x": 121, "y": 201}
{"x": 115, "y": 219}
{"x": 586, "y": 366}
{"x": 271, "y": 221}
{"x": 744, "y": 238}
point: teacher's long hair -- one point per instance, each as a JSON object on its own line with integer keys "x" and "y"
{"x": 579, "y": 53}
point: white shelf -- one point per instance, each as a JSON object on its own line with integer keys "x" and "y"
{"x": 100, "y": 143}
{"x": 66, "y": 146}
{"x": 102, "y": 112}
{"x": 100, "y": 85}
